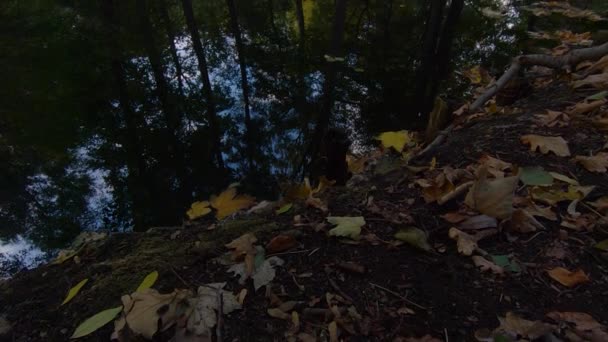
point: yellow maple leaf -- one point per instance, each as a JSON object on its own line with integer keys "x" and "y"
{"x": 198, "y": 209}
{"x": 396, "y": 140}
{"x": 228, "y": 202}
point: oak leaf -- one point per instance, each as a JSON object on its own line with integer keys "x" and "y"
{"x": 545, "y": 144}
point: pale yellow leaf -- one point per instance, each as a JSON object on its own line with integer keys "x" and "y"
{"x": 148, "y": 281}
{"x": 396, "y": 140}
{"x": 597, "y": 163}
{"x": 198, "y": 209}
{"x": 545, "y": 144}
{"x": 346, "y": 226}
{"x": 74, "y": 291}
{"x": 95, "y": 322}
{"x": 228, "y": 202}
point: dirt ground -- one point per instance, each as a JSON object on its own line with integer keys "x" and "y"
{"x": 398, "y": 291}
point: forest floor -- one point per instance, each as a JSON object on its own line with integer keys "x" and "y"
{"x": 377, "y": 287}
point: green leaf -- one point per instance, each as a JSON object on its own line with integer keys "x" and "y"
{"x": 74, "y": 291}
{"x": 598, "y": 96}
{"x": 346, "y": 226}
{"x": 602, "y": 245}
{"x": 95, "y": 322}
{"x": 148, "y": 281}
{"x": 535, "y": 176}
{"x": 284, "y": 208}
{"x": 415, "y": 237}
{"x": 504, "y": 262}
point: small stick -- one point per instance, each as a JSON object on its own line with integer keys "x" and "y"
{"x": 292, "y": 252}
{"x": 337, "y": 288}
{"x": 398, "y": 296}
{"x": 457, "y": 192}
{"x": 314, "y": 251}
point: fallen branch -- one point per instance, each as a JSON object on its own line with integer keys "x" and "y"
{"x": 556, "y": 62}
{"x": 462, "y": 188}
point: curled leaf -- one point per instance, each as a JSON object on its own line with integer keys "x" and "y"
{"x": 415, "y": 237}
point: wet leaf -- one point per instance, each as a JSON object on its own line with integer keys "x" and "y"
{"x": 597, "y": 163}
{"x": 228, "y": 202}
{"x": 492, "y": 197}
{"x": 535, "y": 176}
{"x": 346, "y": 226}
{"x": 415, "y": 237}
{"x": 568, "y": 278}
{"x": 397, "y": 140}
{"x": 96, "y": 321}
{"x": 148, "y": 281}
{"x": 285, "y": 208}
{"x": 198, "y": 209}
{"x": 74, "y": 291}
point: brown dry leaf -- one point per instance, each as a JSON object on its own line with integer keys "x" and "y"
{"x": 568, "y": 278}
{"x": 148, "y": 311}
{"x": 523, "y": 222}
{"x": 356, "y": 165}
{"x": 599, "y": 81}
{"x": 298, "y": 191}
{"x": 585, "y": 222}
{"x": 431, "y": 191}
{"x": 317, "y": 203}
{"x": 228, "y": 202}
{"x": 535, "y": 210}
{"x": 557, "y": 145}
{"x": 425, "y": 338}
{"x": 585, "y": 107}
{"x": 495, "y": 167}
{"x": 556, "y": 251}
{"x": 553, "y": 118}
{"x": 454, "y": 217}
{"x": 582, "y": 320}
{"x": 333, "y": 331}
{"x": 492, "y": 197}
{"x": 515, "y": 325}
{"x": 281, "y": 243}
{"x": 597, "y": 163}
{"x": 466, "y": 243}
{"x": 486, "y": 265}
{"x": 243, "y": 247}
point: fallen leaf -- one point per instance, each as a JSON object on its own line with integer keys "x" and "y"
{"x": 148, "y": 311}
{"x": 515, "y": 325}
{"x": 555, "y": 194}
{"x": 535, "y": 176}
{"x": 333, "y": 331}
{"x": 599, "y": 81}
{"x": 316, "y": 202}
{"x": 486, "y": 265}
{"x": 563, "y": 178}
{"x": 581, "y": 320}
{"x": 285, "y": 208}
{"x": 466, "y": 243}
{"x": 553, "y": 118}
{"x": 601, "y": 204}
{"x": 262, "y": 207}
{"x": 95, "y": 322}
{"x": 396, "y": 140}
{"x": 492, "y": 197}
{"x": 415, "y": 237}
{"x": 148, "y": 281}
{"x": 585, "y": 107}
{"x": 602, "y": 245}
{"x": 205, "y": 308}
{"x": 198, "y": 209}
{"x": 228, "y": 202}
{"x": 454, "y": 217}
{"x": 74, "y": 291}
{"x": 243, "y": 248}
{"x": 523, "y": 222}
{"x": 597, "y": 163}
{"x": 567, "y": 278}
{"x": 262, "y": 275}
{"x": 478, "y": 222}
{"x": 506, "y": 264}
{"x": 281, "y": 243}
{"x": 557, "y": 145}
{"x": 346, "y": 226}
{"x": 356, "y": 165}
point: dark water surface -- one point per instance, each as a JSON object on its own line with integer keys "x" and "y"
{"x": 107, "y": 121}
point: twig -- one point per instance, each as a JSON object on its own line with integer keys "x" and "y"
{"x": 337, "y": 288}
{"x": 457, "y": 192}
{"x": 437, "y": 141}
{"x": 178, "y": 276}
{"x": 292, "y": 252}
{"x": 314, "y": 251}
{"x": 398, "y": 296}
{"x": 572, "y": 58}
